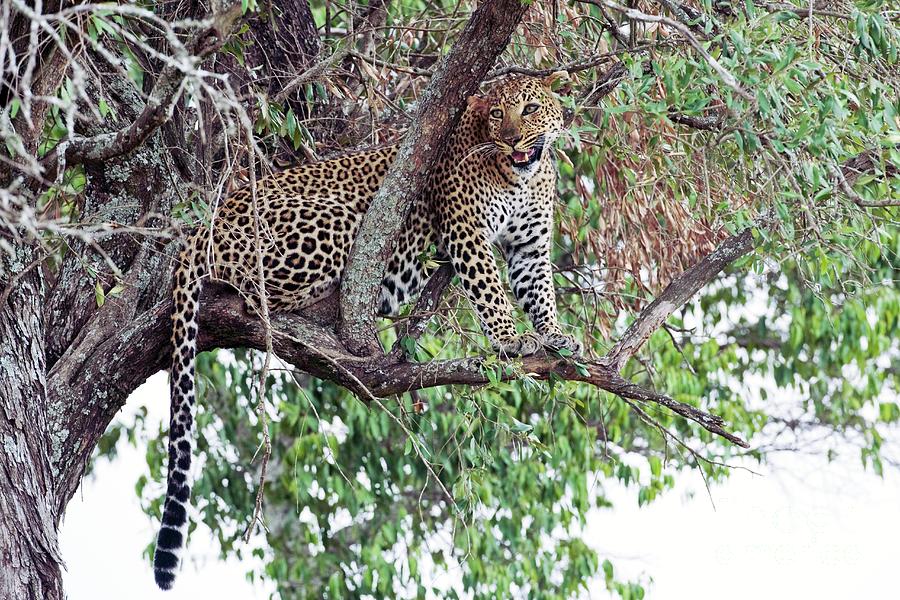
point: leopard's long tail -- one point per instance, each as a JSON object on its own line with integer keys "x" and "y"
{"x": 186, "y": 300}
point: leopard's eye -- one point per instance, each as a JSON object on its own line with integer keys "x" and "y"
{"x": 530, "y": 108}
{"x": 497, "y": 113}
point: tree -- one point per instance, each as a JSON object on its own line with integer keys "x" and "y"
{"x": 758, "y": 141}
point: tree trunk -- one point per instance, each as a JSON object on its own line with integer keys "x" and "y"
{"x": 29, "y": 553}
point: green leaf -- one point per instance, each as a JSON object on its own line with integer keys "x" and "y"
{"x": 520, "y": 427}
{"x": 655, "y": 466}
{"x": 889, "y": 412}
{"x": 409, "y": 346}
{"x": 99, "y": 294}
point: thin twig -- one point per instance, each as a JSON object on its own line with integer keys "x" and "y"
{"x": 729, "y": 79}
{"x": 263, "y": 301}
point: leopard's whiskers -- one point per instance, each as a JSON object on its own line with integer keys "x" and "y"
{"x": 483, "y": 149}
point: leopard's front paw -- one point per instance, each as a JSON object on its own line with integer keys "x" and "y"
{"x": 561, "y": 341}
{"x": 520, "y": 345}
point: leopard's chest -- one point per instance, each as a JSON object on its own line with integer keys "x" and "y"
{"x": 501, "y": 205}
{"x": 490, "y": 196}
{"x": 513, "y": 205}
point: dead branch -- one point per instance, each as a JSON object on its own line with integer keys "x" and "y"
{"x": 676, "y": 294}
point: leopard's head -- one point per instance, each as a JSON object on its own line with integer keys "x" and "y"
{"x": 523, "y": 116}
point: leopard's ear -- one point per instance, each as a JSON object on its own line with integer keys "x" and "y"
{"x": 556, "y": 76}
{"x": 478, "y": 104}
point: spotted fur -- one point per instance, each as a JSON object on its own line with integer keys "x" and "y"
{"x": 495, "y": 184}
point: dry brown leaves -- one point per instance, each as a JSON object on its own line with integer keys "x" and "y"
{"x": 646, "y": 233}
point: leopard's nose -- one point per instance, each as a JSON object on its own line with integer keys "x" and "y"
{"x": 512, "y": 139}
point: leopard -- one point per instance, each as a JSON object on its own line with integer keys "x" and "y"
{"x": 493, "y": 187}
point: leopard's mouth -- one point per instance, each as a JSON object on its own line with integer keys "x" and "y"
{"x": 523, "y": 158}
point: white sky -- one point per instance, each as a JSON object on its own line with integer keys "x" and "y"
{"x": 804, "y": 529}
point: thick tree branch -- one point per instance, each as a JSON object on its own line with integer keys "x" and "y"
{"x": 307, "y": 342}
{"x": 302, "y": 342}
{"x": 481, "y": 42}
{"x": 123, "y": 357}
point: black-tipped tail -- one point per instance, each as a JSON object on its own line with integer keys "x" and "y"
{"x": 172, "y": 534}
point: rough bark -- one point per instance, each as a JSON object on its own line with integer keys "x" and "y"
{"x": 75, "y": 378}
{"x": 29, "y": 554}
{"x": 458, "y": 76}
{"x": 123, "y": 190}
{"x": 30, "y": 562}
